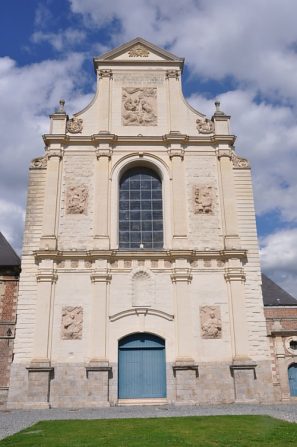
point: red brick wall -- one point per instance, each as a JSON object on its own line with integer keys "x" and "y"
{"x": 287, "y": 316}
{"x": 8, "y": 301}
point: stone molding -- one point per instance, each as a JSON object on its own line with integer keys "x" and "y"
{"x": 141, "y": 311}
{"x": 181, "y": 367}
{"x": 167, "y": 139}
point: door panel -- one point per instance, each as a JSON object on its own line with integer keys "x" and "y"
{"x": 142, "y": 371}
{"x": 292, "y": 372}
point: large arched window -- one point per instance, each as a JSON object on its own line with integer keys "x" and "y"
{"x": 140, "y": 210}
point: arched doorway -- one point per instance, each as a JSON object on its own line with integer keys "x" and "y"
{"x": 292, "y": 373}
{"x": 142, "y": 368}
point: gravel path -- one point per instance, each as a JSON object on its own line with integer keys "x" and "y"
{"x": 12, "y": 421}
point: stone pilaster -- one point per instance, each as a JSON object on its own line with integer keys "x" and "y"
{"x": 103, "y": 154}
{"x": 97, "y": 351}
{"x": 46, "y": 280}
{"x": 228, "y": 198}
{"x": 174, "y": 88}
{"x": 49, "y": 227}
{"x": 105, "y": 79}
{"x": 176, "y": 154}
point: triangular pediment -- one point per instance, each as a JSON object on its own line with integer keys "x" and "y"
{"x": 138, "y": 50}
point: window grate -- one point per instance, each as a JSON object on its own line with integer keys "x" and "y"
{"x": 140, "y": 210}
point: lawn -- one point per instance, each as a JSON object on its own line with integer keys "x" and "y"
{"x": 212, "y": 431}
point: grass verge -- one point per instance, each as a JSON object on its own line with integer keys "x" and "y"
{"x": 212, "y": 431}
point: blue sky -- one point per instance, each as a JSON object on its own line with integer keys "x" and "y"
{"x": 243, "y": 53}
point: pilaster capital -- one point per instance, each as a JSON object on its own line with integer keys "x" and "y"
{"x": 47, "y": 276}
{"x": 54, "y": 153}
{"x": 104, "y": 152}
{"x": 105, "y": 73}
{"x": 181, "y": 275}
{"x": 234, "y": 274}
{"x": 101, "y": 276}
{"x": 176, "y": 152}
{"x": 172, "y": 74}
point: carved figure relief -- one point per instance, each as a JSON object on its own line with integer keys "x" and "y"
{"x": 138, "y": 51}
{"x": 211, "y": 323}
{"x": 240, "y": 162}
{"x": 72, "y": 323}
{"x": 205, "y": 125}
{"x": 77, "y": 199}
{"x": 142, "y": 289}
{"x": 139, "y": 106}
{"x": 203, "y": 200}
{"x": 39, "y": 163}
{"x": 74, "y": 125}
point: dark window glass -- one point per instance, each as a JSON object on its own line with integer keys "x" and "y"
{"x": 141, "y": 214}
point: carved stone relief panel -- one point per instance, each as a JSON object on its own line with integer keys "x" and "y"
{"x": 138, "y": 51}
{"x": 205, "y": 125}
{"x": 211, "y": 323}
{"x": 74, "y": 125}
{"x": 77, "y": 199}
{"x": 142, "y": 289}
{"x": 139, "y": 106}
{"x": 203, "y": 199}
{"x": 72, "y": 323}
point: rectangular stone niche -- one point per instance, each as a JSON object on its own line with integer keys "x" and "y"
{"x": 98, "y": 385}
{"x": 244, "y": 376}
{"x": 39, "y": 386}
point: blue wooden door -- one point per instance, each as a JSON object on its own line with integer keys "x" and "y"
{"x": 292, "y": 372}
{"x": 142, "y": 371}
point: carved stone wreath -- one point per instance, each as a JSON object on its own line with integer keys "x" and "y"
{"x": 39, "y": 163}
{"x": 205, "y": 125}
{"x": 74, "y": 125}
{"x": 138, "y": 51}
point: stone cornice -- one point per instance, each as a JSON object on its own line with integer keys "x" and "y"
{"x": 113, "y": 255}
{"x": 167, "y": 140}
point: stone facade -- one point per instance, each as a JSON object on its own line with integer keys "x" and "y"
{"x": 206, "y": 269}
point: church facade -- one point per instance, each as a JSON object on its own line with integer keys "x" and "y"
{"x": 140, "y": 277}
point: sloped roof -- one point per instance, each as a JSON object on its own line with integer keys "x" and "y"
{"x": 274, "y": 295}
{"x": 8, "y": 257}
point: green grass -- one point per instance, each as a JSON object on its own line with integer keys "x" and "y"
{"x": 222, "y": 431}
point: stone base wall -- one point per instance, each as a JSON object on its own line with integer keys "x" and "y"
{"x": 79, "y": 386}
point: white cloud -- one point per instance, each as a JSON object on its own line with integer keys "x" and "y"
{"x": 279, "y": 258}
{"x": 253, "y": 41}
{"x": 27, "y": 95}
{"x": 60, "y": 40}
